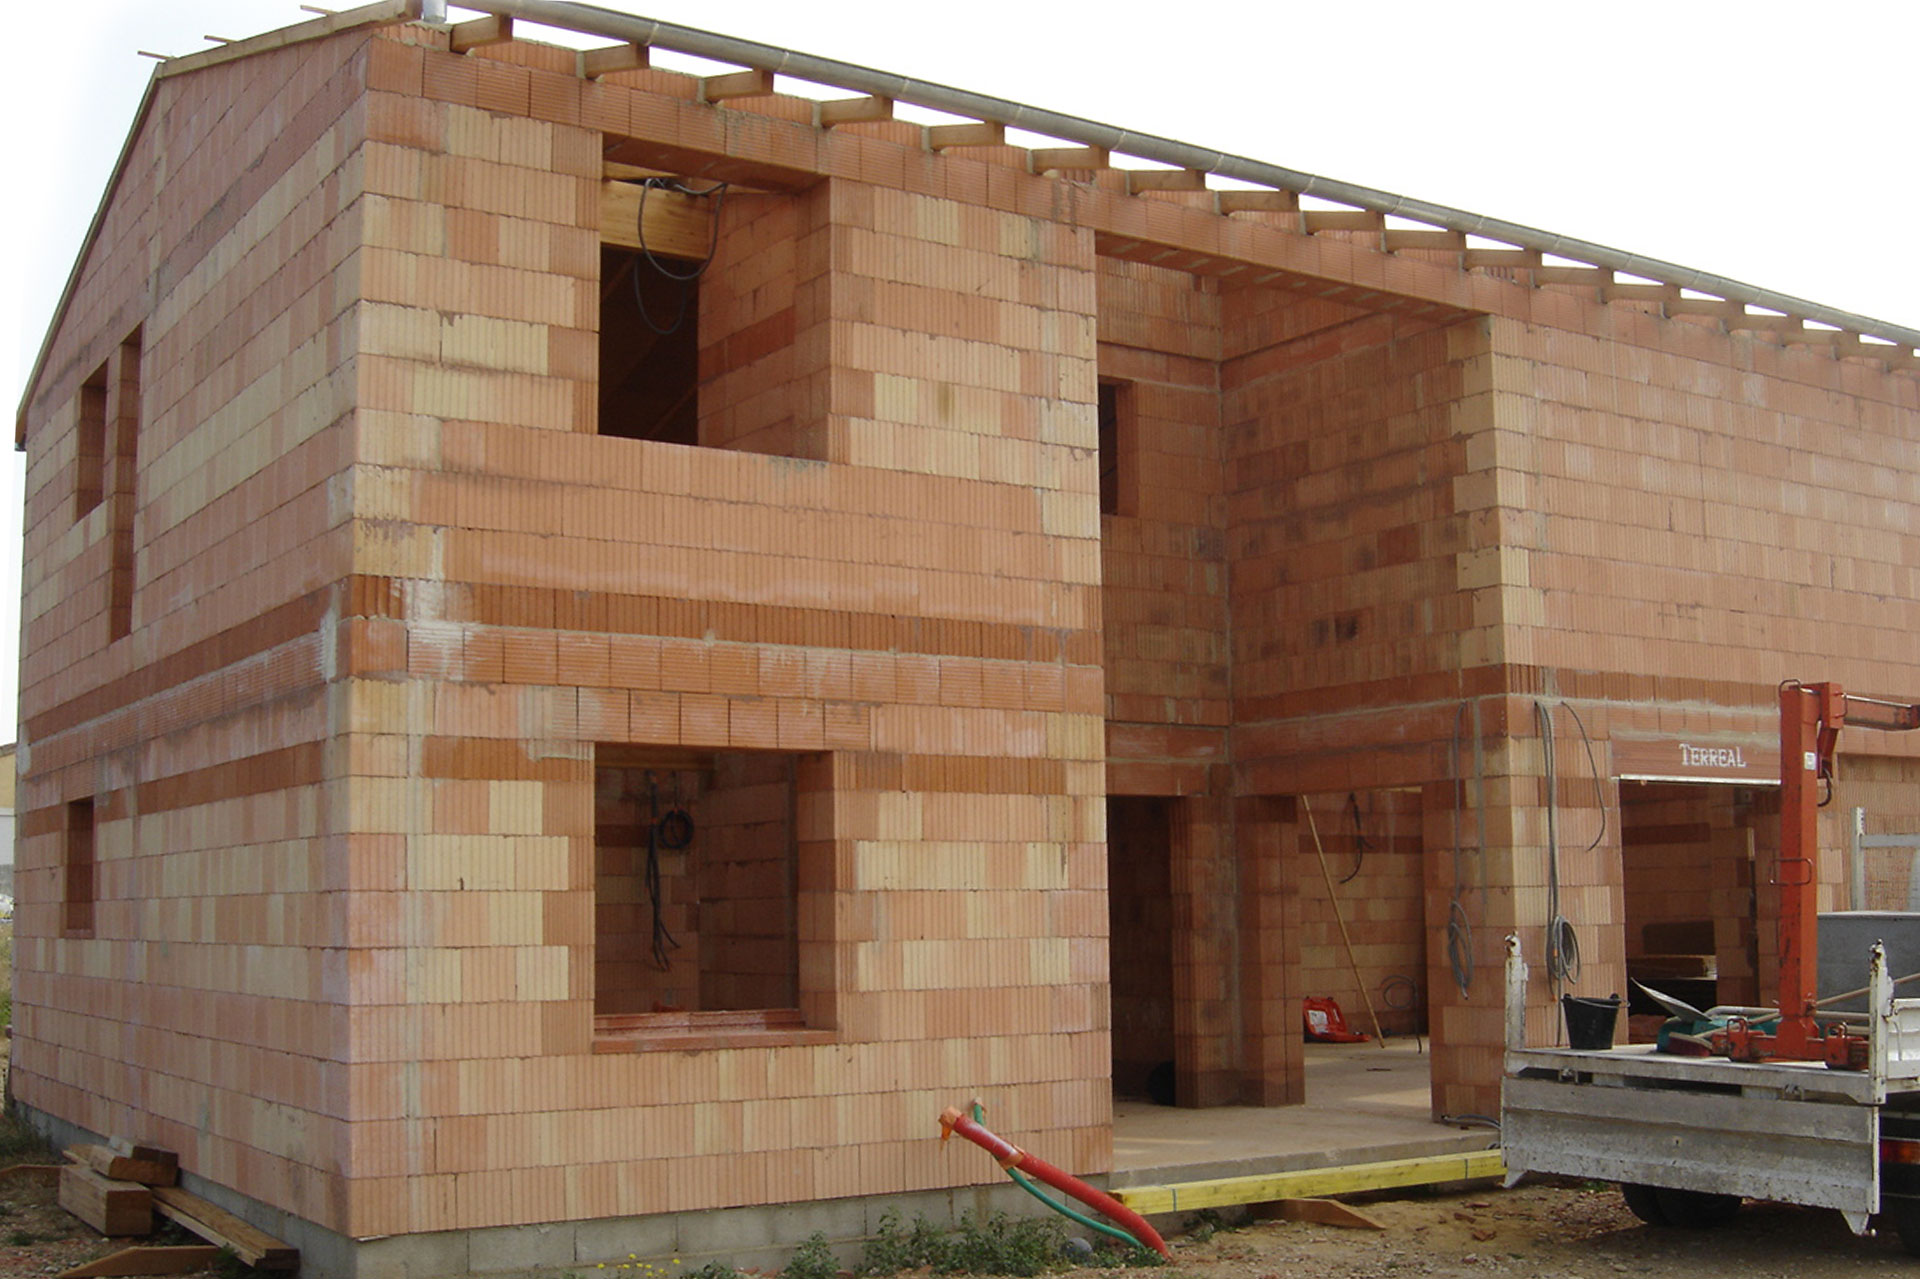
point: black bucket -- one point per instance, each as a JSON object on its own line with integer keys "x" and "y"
{"x": 1590, "y": 1021}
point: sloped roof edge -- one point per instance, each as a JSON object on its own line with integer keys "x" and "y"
{"x": 378, "y": 13}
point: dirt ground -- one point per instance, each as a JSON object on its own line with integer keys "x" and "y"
{"x": 1558, "y": 1229}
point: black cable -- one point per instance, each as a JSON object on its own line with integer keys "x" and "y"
{"x": 1360, "y": 841}
{"x": 664, "y": 941}
{"x": 686, "y": 279}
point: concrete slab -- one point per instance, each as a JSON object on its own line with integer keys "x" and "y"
{"x": 1364, "y": 1103}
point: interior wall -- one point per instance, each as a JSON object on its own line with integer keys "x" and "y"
{"x": 1374, "y": 856}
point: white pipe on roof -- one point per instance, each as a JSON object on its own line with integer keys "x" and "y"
{"x": 593, "y": 20}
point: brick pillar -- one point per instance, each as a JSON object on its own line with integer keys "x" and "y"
{"x": 1268, "y": 842}
{"x": 1205, "y": 953}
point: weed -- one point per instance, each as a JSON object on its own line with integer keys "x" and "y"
{"x": 23, "y": 1239}
{"x": 1001, "y": 1245}
{"x": 812, "y": 1260}
{"x": 715, "y": 1270}
{"x": 894, "y": 1249}
{"x": 227, "y": 1264}
{"x": 20, "y": 1144}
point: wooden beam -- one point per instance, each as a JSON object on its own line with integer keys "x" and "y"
{"x": 678, "y": 226}
{"x": 1818, "y": 337}
{"x": 1046, "y": 158}
{"x": 148, "y": 1259}
{"x": 1259, "y": 201}
{"x": 1312, "y": 1183}
{"x": 1139, "y": 180}
{"x": 752, "y": 83}
{"x": 219, "y": 1227}
{"x": 1526, "y": 259}
{"x": 118, "y": 1167}
{"x": 109, "y": 1206}
{"x": 1598, "y": 276}
{"x": 595, "y": 63}
{"x": 1342, "y": 220}
{"x": 1748, "y": 321}
{"x": 1719, "y": 308}
{"x": 1445, "y": 241}
{"x": 853, "y": 111}
{"x": 1641, "y": 292}
{"x": 495, "y": 28}
{"x": 980, "y": 133}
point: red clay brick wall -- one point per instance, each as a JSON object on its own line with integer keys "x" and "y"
{"x": 206, "y": 1012}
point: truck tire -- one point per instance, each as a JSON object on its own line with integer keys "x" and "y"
{"x": 1696, "y": 1209}
{"x": 1906, "y": 1221}
{"x": 1644, "y": 1203}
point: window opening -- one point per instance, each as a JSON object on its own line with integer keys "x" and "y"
{"x": 696, "y": 882}
{"x": 121, "y": 477}
{"x": 649, "y": 365}
{"x": 1116, "y": 445}
{"x": 80, "y": 888}
{"x": 90, "y": 447}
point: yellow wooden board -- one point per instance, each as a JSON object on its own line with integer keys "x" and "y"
{"x": 1313, "y": 1183}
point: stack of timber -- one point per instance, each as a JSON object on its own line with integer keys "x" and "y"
{"x": 118, "y": 1187}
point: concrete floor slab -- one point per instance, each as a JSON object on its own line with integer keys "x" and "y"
{"x": 1364, "y": 1103}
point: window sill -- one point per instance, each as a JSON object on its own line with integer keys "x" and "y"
{"x": 694, "y": 1032}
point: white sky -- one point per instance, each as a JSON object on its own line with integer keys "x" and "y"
{"x": 1774, "y": 143}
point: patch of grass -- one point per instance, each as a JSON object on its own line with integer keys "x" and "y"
{"x": 23, "y": 1239}
{"x": 812, "y": 1260}
{"x": 20, "y": 1144}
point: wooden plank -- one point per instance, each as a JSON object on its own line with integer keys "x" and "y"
{"x": 1259, "y": 201}
{"x": 980, "y": 133}
{"x": 678, "y": 226}
{"x": 1312, "y": 1183}
{"x": 118, "y": 1167}
{"x": 1717, "y": 307}
{"x": 1342, "y": 220}
{"x": 1045, "y": 158}
{"x": 134, "y": 1150}
{"x": 111, "y": 1207}
{"x": 148, "y": 1259}
{"x": 1755, "y": 323}
{"x": 1139, "y": 180}
{"x": 752, "y": 83}
{"x": 854, "y": 111}
{"x": 595, "y": 63}
{"x": 1446, "y": 241}
{"x": 47, "y": 1174}
{"x": 1321, "y": 1212}
{"x": 495, "y": 28}
{"x": 218, "y": 1226}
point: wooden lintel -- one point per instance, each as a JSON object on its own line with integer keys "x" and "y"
{"x": 1526, "y": 259}
{"x": 854, "y": 111}
{"x": 1445, "y": 241}
{"x": 495, "y": 28}
{"x": 751, "y": 83}
{"x": 980, "y": 133}
{"x": 1045, "y": 158}
{"x": 1819, "y": 337}
{"x": 1342, "y": 220}
{"x": 677, "y": 226}
{"x": 1139, "y": 180}
{"x": 1259, "y": 202}
{"x": 148, "y": 1259}
{"x": 1594, "y": 275}
{"x": 595, "y": 63}
{"x": 1641, "y": 292}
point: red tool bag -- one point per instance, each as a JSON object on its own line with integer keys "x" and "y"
{"x": 1326, "y": 1024}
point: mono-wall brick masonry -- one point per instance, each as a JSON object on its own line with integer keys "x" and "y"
{"x": 1378, "y": 526}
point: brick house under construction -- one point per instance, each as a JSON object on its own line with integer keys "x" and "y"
{"x": 995, "y": 549}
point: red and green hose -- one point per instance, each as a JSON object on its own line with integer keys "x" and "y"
{"x": 1025, "y": 1169}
